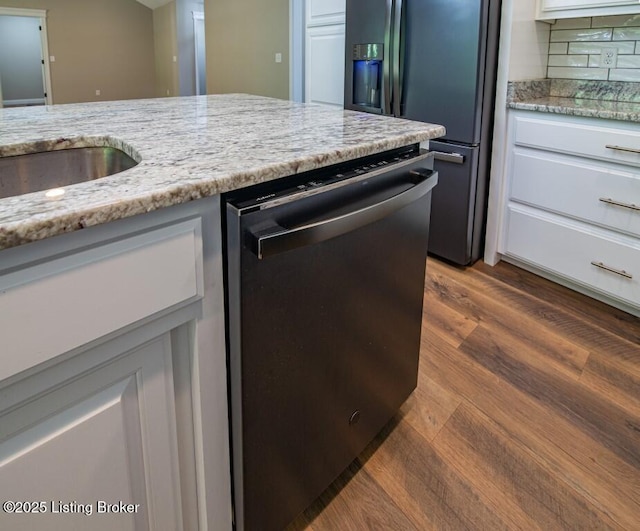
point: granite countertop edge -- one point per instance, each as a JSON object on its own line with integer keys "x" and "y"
{"x": 609, "y": 100}
{"x": 203, "y": 146}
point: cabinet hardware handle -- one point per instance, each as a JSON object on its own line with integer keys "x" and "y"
{"x": 610, "y": 201}
{"x": 620, "y": 272}
{"x": 622, "y": 148}
{"x": 456, "y": 158}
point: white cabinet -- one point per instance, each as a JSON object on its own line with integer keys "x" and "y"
{"x": 553, "y": 9}
{"x": 84, "y": 295}
{"x": 97, "y": 450}
{"x": 324, "y": 52}
{"x": 571, "y": 206}
{"x": 113, "y": 376}
{"x": 324, "y": 65}
{"x": 319, "y": 12}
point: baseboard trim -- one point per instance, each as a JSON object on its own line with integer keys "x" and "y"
{"x": 18, "y": 103}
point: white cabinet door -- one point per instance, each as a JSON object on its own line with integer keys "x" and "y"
{"x": 549, "y": 9}
{"x": 324, "y": 65}
{"x": 97, "y": 451}
{"x": 595, "y": 259}
{"x": 584, "y": 4}
{"x": 324, "y": 51}
{"x": 325, "y": 11}
{"x": 595, "y": 193}
{"x": 96, "y": 291}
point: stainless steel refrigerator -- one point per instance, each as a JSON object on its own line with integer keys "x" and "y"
{"x": 433, "y": 61}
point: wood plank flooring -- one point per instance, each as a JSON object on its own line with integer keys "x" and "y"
{"x": 526, "y": 416}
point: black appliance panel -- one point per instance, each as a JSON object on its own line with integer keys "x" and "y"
{"x": 454, "y": 234}
{"x": 443, "y": 70}
{"x": 324, "y": 341}
{"x": 374, "y": 25}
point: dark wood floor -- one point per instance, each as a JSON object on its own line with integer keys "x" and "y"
{"x": 526, "y": 416}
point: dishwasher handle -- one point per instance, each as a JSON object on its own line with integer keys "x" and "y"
{"x": 279, "y": 239}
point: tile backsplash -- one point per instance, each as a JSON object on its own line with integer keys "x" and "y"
{"x": 602, "y": 48}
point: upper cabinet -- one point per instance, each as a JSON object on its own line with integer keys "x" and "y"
{"x": 553, "y": 9}
{"x": 321, "y": 12}
{"x": 324, "y": 51}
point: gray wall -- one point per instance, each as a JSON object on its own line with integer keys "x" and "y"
{"x": 20, "y": 58}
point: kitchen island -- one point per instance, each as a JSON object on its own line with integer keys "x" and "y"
{"x": 112, "y": 301}
{"x": 188, "y": 148}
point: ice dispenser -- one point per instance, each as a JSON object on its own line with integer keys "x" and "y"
{"x": 367, "y": 74}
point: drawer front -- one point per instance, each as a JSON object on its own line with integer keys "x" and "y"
{"x": 569, "y": 249}
{"x": 579, "y": 138}
{"x": 597, "y": 194}
{"x": 51, "y": 308}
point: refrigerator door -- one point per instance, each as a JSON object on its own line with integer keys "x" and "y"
{"x": 442, "y": 64}
{"x": 367, "y": 53}
{"x": 456, "y": 211}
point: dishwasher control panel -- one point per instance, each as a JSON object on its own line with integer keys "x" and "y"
{"x": 257, "y": 195}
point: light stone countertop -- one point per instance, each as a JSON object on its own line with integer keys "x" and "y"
{"x": 188, "y": 148}
{"x": 609, "y": 100}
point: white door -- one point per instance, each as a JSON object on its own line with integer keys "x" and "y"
{"x": 199, "y": 43}
{"x": 21, "y": 66}
{"x": 324, "y": 51}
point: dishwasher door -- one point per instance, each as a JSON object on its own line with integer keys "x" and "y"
{"x": 325, "y": 310}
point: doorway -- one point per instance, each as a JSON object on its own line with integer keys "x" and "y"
{"x": 24, "y": 65}
{"x": 199, "y": 43}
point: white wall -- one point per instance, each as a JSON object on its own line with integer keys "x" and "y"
{"x": 576, "y": 45}
{"x": 524, "y": 49}
{"x": 529, "y": 43}
{"x": 20, "y": 58}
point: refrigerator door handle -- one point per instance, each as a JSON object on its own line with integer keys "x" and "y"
{"x": 386, "y": 66}
{"x": 456, "y": 158}
{"x": 277, "y": 239}
{"x": 397, "y": 57}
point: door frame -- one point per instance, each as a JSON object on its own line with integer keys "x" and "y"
{"x": 297, "y": 31}
{"x": 198, "y": 15}
{"x": 44, "y": 40}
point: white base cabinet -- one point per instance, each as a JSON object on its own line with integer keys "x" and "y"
{"x": 590, "y": 257}
{"x": 113, "y": 401}
{"x": 97, "y": 450}
{"x": 570, "y": 207}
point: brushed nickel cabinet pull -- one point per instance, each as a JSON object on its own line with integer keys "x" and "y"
{"x": 620, "y": 272}
{"x": 622, "y": 148}
{"x": 610, "y": 201}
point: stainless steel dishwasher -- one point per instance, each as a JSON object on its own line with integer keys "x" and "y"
{"x": 325, "y": 278}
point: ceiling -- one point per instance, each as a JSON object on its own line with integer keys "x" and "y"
{"x": 154, "y": 3}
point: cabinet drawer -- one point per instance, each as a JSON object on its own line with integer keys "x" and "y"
{"x": 56, "y": 306}
{"x": 579, "y": 138}
{"x": 568, "y": 249}
{"x": 593, "y": 193}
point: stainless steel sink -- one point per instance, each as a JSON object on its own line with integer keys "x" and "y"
{"x": 33, "y": 172}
